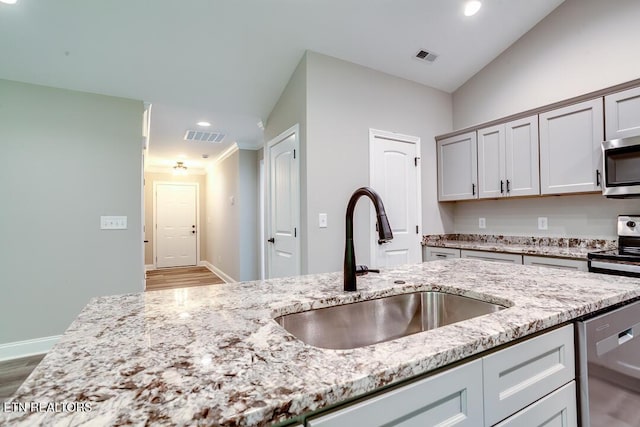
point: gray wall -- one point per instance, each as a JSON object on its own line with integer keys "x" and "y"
{"x": 232, "y": 212}
{"x": 68, "y": 158}
{"x": 582, "y": 46}
{"x": 248, "y": 207}
{"x": 344, "y": 101}
{"x": 291, "y": 109}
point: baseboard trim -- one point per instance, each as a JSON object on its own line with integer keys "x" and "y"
{"x": 148, "y": 267}
{"x": 221, "y": 274}
{"x": 19, "y": 349}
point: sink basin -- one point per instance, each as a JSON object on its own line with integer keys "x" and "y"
{"x": 370, "y": 322}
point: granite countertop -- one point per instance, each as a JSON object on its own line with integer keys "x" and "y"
{"x": 559, "y": 247}
{"x": 213, "y": 355}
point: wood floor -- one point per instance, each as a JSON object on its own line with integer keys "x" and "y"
{"x": 14, "y": 372}
{"x": 172, "y": 278}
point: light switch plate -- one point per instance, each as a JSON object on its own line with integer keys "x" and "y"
{"x": 542, "y": 223}
{"x": 482, "y": 223}
{"x": 113, "y": 222}
{"x": 322, "y": 220}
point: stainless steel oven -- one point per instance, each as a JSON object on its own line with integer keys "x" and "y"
{"x": 625, "y": 260}
{"x": 621, "y": 167}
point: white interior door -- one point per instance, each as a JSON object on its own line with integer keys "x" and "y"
{"x": 395, "y": 176}
{"x": 176, "y": 225}
{"x": 283, "y": 190}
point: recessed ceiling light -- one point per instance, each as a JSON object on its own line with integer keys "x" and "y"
{"x": 9, "y": 1}
{"x": 472, "y": 7}
{"x": 204, "y": 124}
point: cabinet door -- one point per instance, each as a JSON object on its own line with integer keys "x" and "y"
{"x": 434, "y": 253}
{"x": 458, "y": 167}
{"x": 492, "y": 256}
{"x": 451, "y": 398}
{"x": 491, "y": 160}
{"x": 521, "y": 374}
{"x": 522, "y": 165}
{"x": 562, "y": 263}
{"x": 570, "y": 148}
{"x": 622, "y": 114}
{"x": 557, "y": 409}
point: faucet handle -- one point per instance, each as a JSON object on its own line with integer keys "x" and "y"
{"x": 361, "y": 270}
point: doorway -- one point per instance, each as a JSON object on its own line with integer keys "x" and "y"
{"x": 176, "y": 224}
{"x": 395, "y": 174}
{"x": 283, "y": 204}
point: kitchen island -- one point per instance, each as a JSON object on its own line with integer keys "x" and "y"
{"x": 214, "y": 355}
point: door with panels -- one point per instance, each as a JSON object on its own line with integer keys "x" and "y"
{"x": 395, "y": 176}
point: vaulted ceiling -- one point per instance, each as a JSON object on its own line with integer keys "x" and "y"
{"x": 227, "y": 61}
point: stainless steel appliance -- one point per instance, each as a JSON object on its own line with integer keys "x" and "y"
{"x": 624, "y": 261}
{"x": 609, "y": 368}
{"x": 621, "y": 167}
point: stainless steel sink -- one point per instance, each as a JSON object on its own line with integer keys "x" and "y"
{"x": 370, "y": 322}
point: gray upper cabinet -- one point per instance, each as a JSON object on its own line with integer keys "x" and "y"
{"x": 622, "y": 114}
{"x": 457, "y": 167}
{"x": 522, "y": 164}
{"x": 492, "y": 173}
{"x": 508, "y": 159}
{"x": 570, "y": 148}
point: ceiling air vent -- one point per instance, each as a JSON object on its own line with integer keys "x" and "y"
{"x": 426, "y": 56}
{"x": 198, "y": 135}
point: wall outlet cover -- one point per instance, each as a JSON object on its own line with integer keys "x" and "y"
{"x": 322, "y": 220}
{"x": 543, "y": 223}
{"x": 482, "y": 223}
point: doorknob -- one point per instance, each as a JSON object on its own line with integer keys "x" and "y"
{"x": 271, "y": 240}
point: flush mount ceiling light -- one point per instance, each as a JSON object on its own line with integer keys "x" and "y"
{"x": 8, "y": 1}
{"x": 179, "y": 169}
{"x": 472, "y": 7}
{"x": 204, "y": 124}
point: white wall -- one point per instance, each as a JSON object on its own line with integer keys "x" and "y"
{"x": 68, "y": 158}
{"x": 249, "y": 212}
{"x": 344, "y": 101}
{"x": 582, "y": 46}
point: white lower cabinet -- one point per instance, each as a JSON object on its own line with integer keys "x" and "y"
{"x": 521, "y": 374}
{"x": 451, "y": 398}
{"x": 434, "y": 253}
{"x": 528, "y": 384}
{"x": 557, "y": 409}
{"x": 562, "y": 263}
{"x": 491, "y": 256}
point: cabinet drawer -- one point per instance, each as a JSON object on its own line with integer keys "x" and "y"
{"x": 567, "y": 264}
{"x": 492, "y": 256}
{"x": 557, "y": 409}
{"x": 433, "y": 253}
{"x": 452, "y": 398}
{"x": 519, "y": 375}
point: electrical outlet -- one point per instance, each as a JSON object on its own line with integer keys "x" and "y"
{"x": 542, "y": 223}
{"x": 482, "y": 223}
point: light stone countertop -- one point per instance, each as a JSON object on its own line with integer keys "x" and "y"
{"x": 213, "y": 355}
{"x": 557, "y": 247}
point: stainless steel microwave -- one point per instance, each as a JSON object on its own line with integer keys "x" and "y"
{"x": 621, "y": 167}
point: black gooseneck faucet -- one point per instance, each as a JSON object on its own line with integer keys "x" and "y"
{"x": 384, "y": 233}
